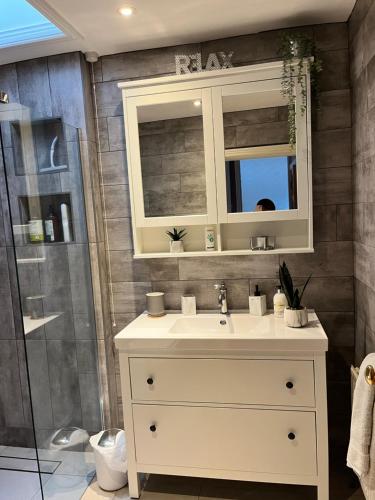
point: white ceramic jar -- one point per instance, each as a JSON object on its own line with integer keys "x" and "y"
{"x": 295, "y": 318}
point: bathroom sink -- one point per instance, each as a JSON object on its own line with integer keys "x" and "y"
{"x": 216, "y": 325}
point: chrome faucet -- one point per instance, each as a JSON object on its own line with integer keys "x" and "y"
{"x": 222, "y": 298}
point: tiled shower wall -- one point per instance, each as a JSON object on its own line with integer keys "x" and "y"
{"x": 331, "y": 289}
{"x": 362, "y": 51}
{"x": 62, "y": 358}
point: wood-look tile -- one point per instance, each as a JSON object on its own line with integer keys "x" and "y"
{"x": 109, "y": 99}
{"x": 326, "y": 152}
{"x": 117, "y": 202}
{"x": 64, "y": 72}
{"x": 334, "y": 258}
{"x": 345, "y": 222}
{"x": 138, "y": 64}
{"x": 11, "y": 407}
{"x": 331, "y": 36}
{"x": 8, "y": 81}
{"x": 332, "y": 186}
{"x": 336, "y": 70}
{"x": 125, "y": 268}
{"x": 34, "y": 87}
{"x": 325, "y": 223}
{"x": 130, "y": 297}
{"x": 231, "y": 267}
{"x": 339, "y": 327}
{"x": 334, "y": 110}
{"x": 119, "y": 234}
{"x": 114, "y": 167}
{"x": 116, "y": 133}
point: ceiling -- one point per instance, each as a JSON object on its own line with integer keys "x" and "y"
{"x": 96, "y": 25}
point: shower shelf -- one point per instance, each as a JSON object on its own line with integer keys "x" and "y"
{"x": 31, "y": 260}
{"x": 38, "y": 206}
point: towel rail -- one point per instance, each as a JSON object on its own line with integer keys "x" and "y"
{"x": 370, "y": 375}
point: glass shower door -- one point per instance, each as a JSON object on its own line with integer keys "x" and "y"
{"x": 44, "y": 187}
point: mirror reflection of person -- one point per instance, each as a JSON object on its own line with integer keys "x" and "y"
{"x": 264, "y": 205}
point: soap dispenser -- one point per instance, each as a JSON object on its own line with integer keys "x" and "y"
{"x": 257, "y": 303}
{"x": 279, "y": 303}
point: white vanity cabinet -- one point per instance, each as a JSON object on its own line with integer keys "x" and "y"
{"x": 248, "y": 404}
{"x": 211, "y": 149}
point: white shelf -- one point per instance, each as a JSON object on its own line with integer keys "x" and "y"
{"x": 30, "y": 325}
{"x": 221, "y": 253}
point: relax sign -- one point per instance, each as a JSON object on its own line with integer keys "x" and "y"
{"x": 193, "y": 63}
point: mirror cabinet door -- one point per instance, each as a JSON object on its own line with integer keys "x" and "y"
{"x": 173, "y": 156}
{"x": 259, "y": 174}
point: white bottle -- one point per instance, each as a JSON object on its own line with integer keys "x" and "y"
{"x": 210, "y": 239}
{"x": 65, "y": 220}
{"x": 279, "y": 303}
{"x": 188, "y": 305}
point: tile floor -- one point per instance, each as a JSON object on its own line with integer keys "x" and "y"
{"x": 178, "y": 488}
{"x": 74, "y": 479}
{"x": 66, "y": 474}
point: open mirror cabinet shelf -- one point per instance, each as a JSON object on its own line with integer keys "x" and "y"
{"x": 210, "y": 152}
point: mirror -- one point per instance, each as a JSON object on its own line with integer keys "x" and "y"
{"x": 172, "y": 158}
{"x": 261, "y": 179}
{"x": 260, "y": 165}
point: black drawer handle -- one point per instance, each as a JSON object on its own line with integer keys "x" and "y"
{"x": 152, "y": 428}
{"x": 150, "y": 380}
{"x": 291, "y": 436}
{"x": 289, "y": 385}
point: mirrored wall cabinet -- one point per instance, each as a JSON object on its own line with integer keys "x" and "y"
{"x": 211, "y": 150}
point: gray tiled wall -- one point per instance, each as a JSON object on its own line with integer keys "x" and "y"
{"x": 362, "y": 51}
{"x": 331, "y": 290}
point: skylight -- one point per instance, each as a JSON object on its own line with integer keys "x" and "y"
{"x": 21, "y": 23}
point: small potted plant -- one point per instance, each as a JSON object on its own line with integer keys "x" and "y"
{"x": 295, "y": 315}
{"x": 176, "y": 245}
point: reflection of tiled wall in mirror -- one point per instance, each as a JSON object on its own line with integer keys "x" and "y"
{"x": 256, "y": 127}
{"x": 173, "y": 170}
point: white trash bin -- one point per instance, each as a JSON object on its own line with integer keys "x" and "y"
{"x": 110, "y": 458}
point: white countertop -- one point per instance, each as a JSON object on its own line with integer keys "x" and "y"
{"x": 243, "y": 333}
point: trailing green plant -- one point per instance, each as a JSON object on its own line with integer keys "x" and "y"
{"x": 176, "y": 235}
{"x": 293, "y": 295}
{"x": 295, "y": 49}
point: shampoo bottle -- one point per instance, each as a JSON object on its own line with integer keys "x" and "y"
{"x": 279, "y": 303}
{"x": 36, "y": 234}
{"x": 51, "y": 226}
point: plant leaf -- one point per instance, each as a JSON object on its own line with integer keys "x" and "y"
{"x": 296, "y": 300}
{"x": 304, "y": 287}
{"x": 286, "y": 283}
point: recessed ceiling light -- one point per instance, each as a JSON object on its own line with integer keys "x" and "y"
{"x": 126, "y": 11}
{"x": 197, "y": 103}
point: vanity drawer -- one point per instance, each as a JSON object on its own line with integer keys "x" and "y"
{"x": 281, "y": 442}
{"x": 232, "y": 381}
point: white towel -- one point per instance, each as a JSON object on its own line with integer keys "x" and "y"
{"x": 368, "y": 481}
{"x": 361, "y": 429}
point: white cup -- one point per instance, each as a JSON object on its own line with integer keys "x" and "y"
{"x": 155, "y": 303}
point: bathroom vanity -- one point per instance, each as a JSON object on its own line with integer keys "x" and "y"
{"x": 232, "y": 397}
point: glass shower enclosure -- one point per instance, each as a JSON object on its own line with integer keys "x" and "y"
{"x": 49, "y": 385}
